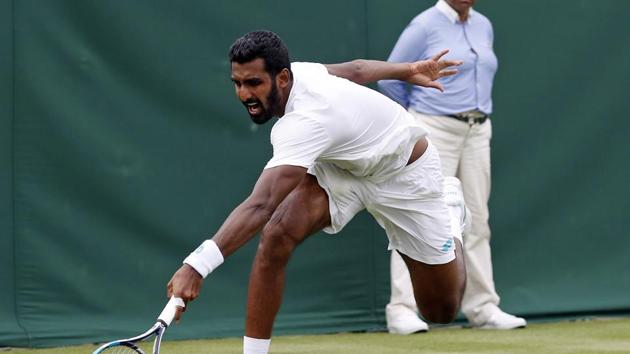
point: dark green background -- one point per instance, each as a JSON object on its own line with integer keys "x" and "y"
{"x": 122, "y": 147}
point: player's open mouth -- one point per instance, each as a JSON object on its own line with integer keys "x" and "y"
{"x": 254, "y": 108}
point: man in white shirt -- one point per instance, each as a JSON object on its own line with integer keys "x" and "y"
{"x": 338, "y": 148}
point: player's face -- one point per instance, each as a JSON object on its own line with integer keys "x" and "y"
{"x": 461, "y": 6}
{"x": 256, "y": 89}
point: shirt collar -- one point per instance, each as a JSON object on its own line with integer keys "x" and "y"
{"x": 449, "y": 12}
{"x": 290, "y": 101}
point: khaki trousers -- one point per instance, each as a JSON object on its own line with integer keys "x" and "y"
{"x": 465, "y": 153}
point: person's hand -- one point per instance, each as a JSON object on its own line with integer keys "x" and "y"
{"x": 425, "y": 72}
{"x": 186, "y": 284}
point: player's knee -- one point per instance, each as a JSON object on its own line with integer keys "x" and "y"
{"x": 276, "y": 244}
{"x": 443, "y": 311}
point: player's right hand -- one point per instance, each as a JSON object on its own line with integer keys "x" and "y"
{"x": 186, "y": 284}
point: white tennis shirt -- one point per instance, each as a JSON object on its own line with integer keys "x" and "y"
{"x": 331, "y": 119}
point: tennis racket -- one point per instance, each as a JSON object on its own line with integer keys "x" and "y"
{"x": 139, "y": 344}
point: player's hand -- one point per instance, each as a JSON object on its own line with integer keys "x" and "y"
{"x": 186, "y": 283}
{"x": 425, "y": 72}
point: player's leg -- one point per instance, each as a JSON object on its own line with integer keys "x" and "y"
{"x": 413, "y": 210}
{"x": 304, "y": 212}
{"x": 438, "y": 281}
{"x": 401, "y": 312}
{"x": 438, "y": 288}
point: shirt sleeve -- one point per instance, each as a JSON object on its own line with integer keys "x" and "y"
{"x": 310, "y": 68}
{"x": 410, "y": 47}
{"x": 297, "y": 141}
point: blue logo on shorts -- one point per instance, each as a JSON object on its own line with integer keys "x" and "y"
{"x": 447, "y": 245}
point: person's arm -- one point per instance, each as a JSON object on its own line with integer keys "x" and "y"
{"x": 273, "y": 185}
{"x": 422, "y": 73}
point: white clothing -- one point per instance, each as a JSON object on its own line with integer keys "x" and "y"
{"x": 333, "y": 120}
{"x": 357, "y": 143}
{"x": 401, "y": 311}
{"x": 465, "y": 153}
{"x": 255, "y": 345}
{"x": 409, "y": 206}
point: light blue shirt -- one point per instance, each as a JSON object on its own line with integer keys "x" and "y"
{"x": 430, "y": 32}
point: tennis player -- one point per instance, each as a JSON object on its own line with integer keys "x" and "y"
{"x": 338, "y": 148}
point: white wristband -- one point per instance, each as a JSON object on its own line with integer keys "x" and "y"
{"x": 205, "y": 258}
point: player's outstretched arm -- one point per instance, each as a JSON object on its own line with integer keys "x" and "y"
{"x": 273, "y": 185}
{"x": 422, "y": 73}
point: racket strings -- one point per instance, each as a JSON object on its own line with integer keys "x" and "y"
{"x": 122, "y": 350}
{"x": 142, "y": 348}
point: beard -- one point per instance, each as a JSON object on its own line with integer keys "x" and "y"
{"x": 266, "y": 113}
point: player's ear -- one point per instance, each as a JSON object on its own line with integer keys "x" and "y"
{"x": 283, "y": 78}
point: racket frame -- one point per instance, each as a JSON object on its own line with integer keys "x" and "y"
{"x": 164, "y": 320}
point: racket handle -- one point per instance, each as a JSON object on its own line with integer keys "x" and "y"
{"x": 168, "y": 314}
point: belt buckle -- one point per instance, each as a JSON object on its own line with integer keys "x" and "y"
{"x": 472, "y": 117}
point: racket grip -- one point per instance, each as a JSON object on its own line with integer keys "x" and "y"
{"x": 168, "y": 314}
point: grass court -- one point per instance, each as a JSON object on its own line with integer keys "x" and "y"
{"x": 606, "y": 335}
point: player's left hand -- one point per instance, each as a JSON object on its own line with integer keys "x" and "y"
{"x": 425, "y": 72}
{"x": 186, "y": 283}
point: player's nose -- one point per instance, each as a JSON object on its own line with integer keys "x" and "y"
{"x": 243, "y": 93}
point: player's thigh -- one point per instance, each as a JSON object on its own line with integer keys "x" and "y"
{"x": 303, "y": 212}
{"x": 435, "y": 285}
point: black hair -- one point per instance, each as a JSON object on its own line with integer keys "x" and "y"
{"x": 265, "y": 45}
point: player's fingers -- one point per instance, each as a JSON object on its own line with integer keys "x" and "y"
{"x": 178, "y": 313}
{"x": 435, "y": 85}
{"x": 179, "y": 310}
{"x": 169, "y": 289}
{"x": 439, "y": 55}
{"x": 447, "y": 73}
{"x": 447, "y": 63}
{"x": 188, "y": 295}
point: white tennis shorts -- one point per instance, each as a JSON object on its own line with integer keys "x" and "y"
{"x": 410, "y": 206}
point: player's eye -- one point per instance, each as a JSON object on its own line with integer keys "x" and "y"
{"x": 253, "y": 82}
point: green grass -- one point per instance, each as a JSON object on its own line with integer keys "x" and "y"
{"x": 592, "y": 336}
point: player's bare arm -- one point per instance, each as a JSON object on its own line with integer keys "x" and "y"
{"x": 273, "y": 185}
{"x": 422, "y": 73}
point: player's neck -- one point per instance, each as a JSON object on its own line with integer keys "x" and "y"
{"x": 285, "y": 92}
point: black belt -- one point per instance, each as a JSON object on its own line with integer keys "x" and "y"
{"x": 470, "y": 118}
